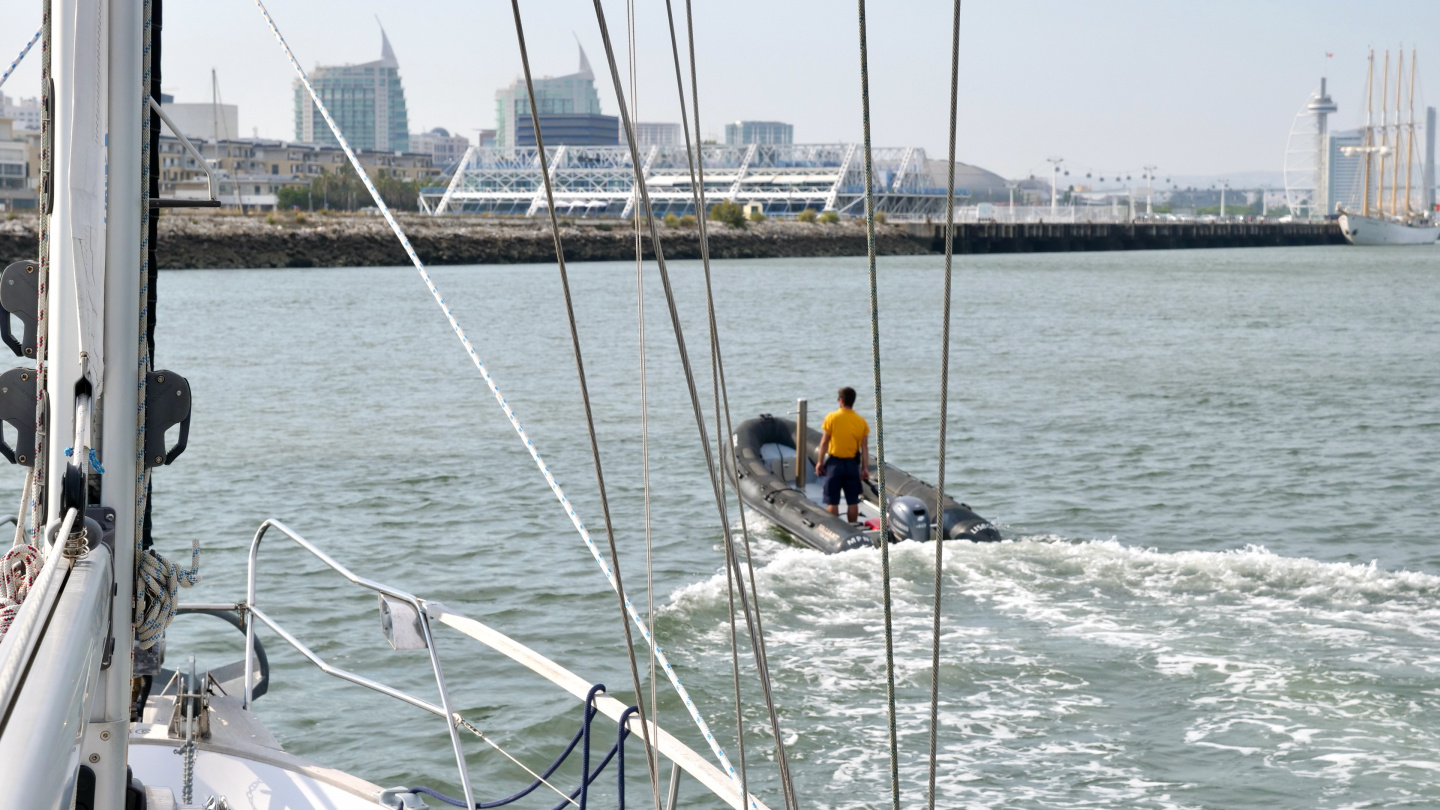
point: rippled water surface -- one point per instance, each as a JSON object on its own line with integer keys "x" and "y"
{"x": 1216, "y": 470}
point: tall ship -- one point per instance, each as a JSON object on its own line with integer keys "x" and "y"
{"x": 1387, "y": 215}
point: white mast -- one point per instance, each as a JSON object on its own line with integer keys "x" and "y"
{"x": 1395, "y": 164}
{"x": 1369, "y": 131}
{"x": 66, "y": 689}
{"x": 1410, "y": 138}
{"x": 1384, "y": 133}
{"x": 127, "y": 194}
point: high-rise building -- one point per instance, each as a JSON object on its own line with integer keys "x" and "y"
{"x": 367, "y": 102}
{"x": 443, "y": 148}
{"x": 744, "y": 133}
{"x": 654, "y": 134}
{"x": 18, "y": 169}
{"x": 24, "y": 113}
{"x": 569, "y": 110}
{"x": 1345, "y": 176}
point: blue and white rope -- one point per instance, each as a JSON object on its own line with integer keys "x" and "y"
{"x": 500, "y": 398}
{"x": 21, "y": 57}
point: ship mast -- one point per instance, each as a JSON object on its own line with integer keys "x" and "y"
{"x": 1384, "y": 133}
{"x": 1369, "y": 130}
{"x": 1410, "y": 138}
{"x": 1395, "y": 164}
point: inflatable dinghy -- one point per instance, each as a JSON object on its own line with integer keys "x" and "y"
{"x": 765, "y": 460}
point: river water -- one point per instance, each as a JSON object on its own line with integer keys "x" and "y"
{"x": 1216, "y": 472}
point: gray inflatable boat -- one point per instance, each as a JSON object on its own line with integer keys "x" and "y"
{"x": 765, "y": 460}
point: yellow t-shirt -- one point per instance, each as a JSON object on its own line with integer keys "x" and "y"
{"x": 847, "y": 429}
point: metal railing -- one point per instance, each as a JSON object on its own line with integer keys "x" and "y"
{"x": 253, "y": 611}
{"x": 723, "y": 786}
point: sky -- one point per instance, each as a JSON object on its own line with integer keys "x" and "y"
{"x": 1197, "y": 89}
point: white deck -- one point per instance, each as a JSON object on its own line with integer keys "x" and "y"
{"x": 242, "y": 763}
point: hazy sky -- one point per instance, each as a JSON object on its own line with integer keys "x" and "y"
{"x": 1111, "y": 85}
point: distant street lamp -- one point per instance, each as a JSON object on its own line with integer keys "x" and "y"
{"x": 1054, "y": 179}
{"x": 1149, "y": 190}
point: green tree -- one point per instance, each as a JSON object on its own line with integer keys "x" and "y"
{"x": 830, "y": 217}
{"x": 729, "y": 212}
{"x": 808, "y": 215}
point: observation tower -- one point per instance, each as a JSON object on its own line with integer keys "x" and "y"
{"x": 1307, "y": 157}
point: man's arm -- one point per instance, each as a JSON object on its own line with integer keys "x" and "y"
{"x": 820, "y": 452}
{"x": 865, "y": 458}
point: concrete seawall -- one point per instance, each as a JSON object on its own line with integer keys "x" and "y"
{"x": 204, "y": 240}
{"x": 209, "y": 240}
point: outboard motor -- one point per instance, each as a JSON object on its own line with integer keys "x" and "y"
{"x": 909, "y": 519}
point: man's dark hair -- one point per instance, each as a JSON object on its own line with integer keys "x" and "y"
{"x": 847, "y": 397}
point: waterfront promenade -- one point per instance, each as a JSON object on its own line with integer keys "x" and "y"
{"x": 1043, "y": 237}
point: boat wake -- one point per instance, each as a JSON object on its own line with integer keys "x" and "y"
{"x": 1095, "y": 673}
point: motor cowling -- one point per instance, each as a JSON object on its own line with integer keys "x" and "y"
{"x": 909, "y": 519}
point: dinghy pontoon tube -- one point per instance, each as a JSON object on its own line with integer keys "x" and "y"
{"x": 765, "y": 461}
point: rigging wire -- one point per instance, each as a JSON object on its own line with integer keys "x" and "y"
{"x": 21, "y": 57}
{"x": 710, "y": 460}
{"x": 585, "y": 398}
{"x": 645, "y": 406}
{"x": 939, "y": 510}
{"x": 717, "y": 370}
{"x": 730, "y": 575}
{"x": 652, "y": 759}
{"x": 555, "y": 487}
{"x": 879, "y": 414}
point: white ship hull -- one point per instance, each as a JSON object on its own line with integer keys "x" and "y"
{"x": 1375, "y": 231}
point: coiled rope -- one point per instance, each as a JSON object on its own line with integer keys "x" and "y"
{"x": 21, "y": 57}
{"x": 879, "y": 416}
{"x": 500, "y": 398}
{"x": 939, "y": 510}
{"x": 18, "y": 570}
{"x": 719, "y": 389}
{"x": 585, "y": 399}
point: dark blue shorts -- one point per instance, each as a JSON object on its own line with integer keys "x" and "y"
{"x": 842, "y": 475}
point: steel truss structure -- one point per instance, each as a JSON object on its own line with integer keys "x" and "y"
{"x": 598, "y": 181}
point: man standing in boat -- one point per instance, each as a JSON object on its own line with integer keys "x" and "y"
{"x": 845, "y": 449}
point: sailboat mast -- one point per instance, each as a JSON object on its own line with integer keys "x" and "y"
{"x": 1384, "y": 133}
{"x": 1395, "y": 164}
{"x": 1410, "y": 137}
{"x": 1369, "y": 130}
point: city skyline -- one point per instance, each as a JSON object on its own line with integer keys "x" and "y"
{"x": 1109, "y": 85}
